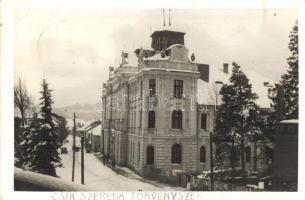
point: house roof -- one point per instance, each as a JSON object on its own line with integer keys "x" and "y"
{"x": 92, "y": 125}
{"x": 132, "y": 59}
{"x": 97, "y": 130}
{"x": 208, "y": 92}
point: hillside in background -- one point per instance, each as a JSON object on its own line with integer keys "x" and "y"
{"x": 86, "y": 112}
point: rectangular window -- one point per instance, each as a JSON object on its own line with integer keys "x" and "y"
{"x": 151, "y": 119}
{"x": 178, "y": 89}
{"x": 152, "y": 87}
{"x": 202, "y": 154}
{"x": 177, "y": 119}
{"x": 204, "y": 121}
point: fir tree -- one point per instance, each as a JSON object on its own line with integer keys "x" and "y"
{"x": 45, "y": 153}
{"x": 24, "y": 150}
{"x": 238, "y": 115}
{"x": 18, "y": 138}
{"x": 285, "y": 94}
{"x": 290, "y": 80}
{"x": 289, "y": 83}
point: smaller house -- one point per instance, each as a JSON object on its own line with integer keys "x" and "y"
{"x": 92, "y": 134}
{"x": 285, "y": 163}
{"x": 96, "y": 138}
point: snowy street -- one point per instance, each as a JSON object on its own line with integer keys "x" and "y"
{"x": 100, "y": 177}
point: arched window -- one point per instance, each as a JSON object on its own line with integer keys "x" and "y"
{"x": 176, "y": 153}
{"x": 202, "y": 154}
{"x": 177, "y": 119}
{"x": 151, "y": 119}
{"x": 150, "y": 155}
{"x": 248, "y": 154}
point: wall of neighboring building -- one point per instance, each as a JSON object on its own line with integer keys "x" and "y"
{"x": 285, "y": 164}
{"x": 96, "y": 143}
{"x": 121, "y": 147}
{"x": 115, "y": 115}
{"x": 104, "y": 142}
{"x": 135, "y": 153}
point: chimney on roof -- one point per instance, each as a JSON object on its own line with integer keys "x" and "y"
{"x": 266, "y": 84}
{"x": 226, "y": 68}
{"x": 204, "y": 72}
{"x": 124, "y": 57}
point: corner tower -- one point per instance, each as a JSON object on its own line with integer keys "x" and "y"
{"x": 161, "y": 40}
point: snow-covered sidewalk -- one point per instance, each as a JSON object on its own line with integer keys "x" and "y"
{"x": 101, "y": 178}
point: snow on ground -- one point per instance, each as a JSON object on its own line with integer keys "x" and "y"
{"x": 100, "y": 177}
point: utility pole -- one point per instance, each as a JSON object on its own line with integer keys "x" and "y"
{"x": 109, "y": 127}
{"x": 211, "y": 161}
{"x": 82, "y": 161}
{"x": 73, "y": 148}
{"x": 211, "y": 135}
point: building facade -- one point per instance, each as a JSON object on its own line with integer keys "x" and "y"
{"x": 150, "y": 111}
{"x": 158, "y": 110}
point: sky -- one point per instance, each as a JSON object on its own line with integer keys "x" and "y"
{"x": 73, "y": 47}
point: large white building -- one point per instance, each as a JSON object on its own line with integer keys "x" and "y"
{"x": 159, "y": 108}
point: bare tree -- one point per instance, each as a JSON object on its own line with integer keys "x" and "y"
{"x": 22, "y": 100}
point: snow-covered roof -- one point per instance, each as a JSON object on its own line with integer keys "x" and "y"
{"x": 70, "y": 123}
{"x": 174, "y": 45}
{"x": 97, "y": 130}
{"x": 132, "y": 59}
{"x": 208, "y": 92}
{"x": 290, "y": 121}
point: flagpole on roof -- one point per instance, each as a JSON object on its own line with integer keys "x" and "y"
{"x": 163, "y": 18}
{"x": 169, "y": 17}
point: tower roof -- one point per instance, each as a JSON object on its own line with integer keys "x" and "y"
{"x": 161, "y": 40}
{"x": 167, "y": 32}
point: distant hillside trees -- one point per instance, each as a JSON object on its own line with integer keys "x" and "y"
{"x": 62, "y": 129}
